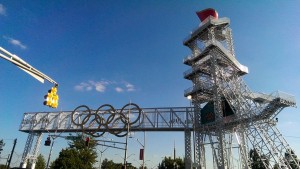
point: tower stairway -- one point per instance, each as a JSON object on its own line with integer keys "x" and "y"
{"x": 261, "y": 132}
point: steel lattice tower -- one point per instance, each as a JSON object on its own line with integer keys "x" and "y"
{"x": 228, "y": 115}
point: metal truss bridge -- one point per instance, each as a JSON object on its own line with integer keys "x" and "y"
{"x": 151, "y": 119}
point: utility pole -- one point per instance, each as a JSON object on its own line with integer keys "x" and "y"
{"x": 126, "y": 143}
{"x": 100, "y": 161}
{"x": 12, "y": 152}
{"x": 142, "y": 151}
{"x": 50, "y": 153}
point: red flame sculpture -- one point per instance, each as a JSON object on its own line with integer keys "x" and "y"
{"x": 206, "y": 13}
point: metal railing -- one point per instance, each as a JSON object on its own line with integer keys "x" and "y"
{"x": 208, "y": 19}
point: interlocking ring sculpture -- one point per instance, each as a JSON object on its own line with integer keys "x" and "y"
{"x": 107, "y": 119}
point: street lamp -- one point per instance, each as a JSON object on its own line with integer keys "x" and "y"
{"x": 53, "y": 139}
{"x": 126, "y": 142}
{"x": 152, "y": 164}
{"x": 130, "y": 155}
{"x": 137, "y": 162}
{"x": 141, "y": 163}
{"x": 48, "y": 141}
{"x": 125, "y": 159}
{"x": 190, "y": 98}
{"x": 101, "y": 153}
{"x": 142, "y": 152}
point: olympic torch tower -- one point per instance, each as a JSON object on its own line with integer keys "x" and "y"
{"x": 229, "y": 118}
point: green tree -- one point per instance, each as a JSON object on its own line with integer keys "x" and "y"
{"x": 258, "y": 160}
{"x": 77, "y": 156}
{"x": 109, "y": 164}
{"x": 40, "y": 162}
{"x": 2, "y": 144}
{"x": 141, "y": 167}
{"x": 129, "y": 166}
{"x": 168, "y": 162}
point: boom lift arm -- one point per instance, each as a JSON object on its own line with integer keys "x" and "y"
{"x": 25, "y": 66}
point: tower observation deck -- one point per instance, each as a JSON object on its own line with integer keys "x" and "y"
{"x": 228, "y": 120}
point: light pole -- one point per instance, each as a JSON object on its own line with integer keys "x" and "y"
{"x": 53, "y": 138}
{"x": 152, "y": 164}
{"x": 101, "y": 153}
{"x": 125, "y": 159}
{"x": 190, "y": 98}
{"x": 126, "y": 142}
{"x": 142, "y": 163}
{"x": 138, "y": 162}
{"x": 143, "y": 145}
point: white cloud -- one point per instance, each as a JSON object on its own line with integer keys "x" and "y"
{"x": 104, "y": 85}
{"x": 119, "y": 89}
{"x": 90, "y": 85}
{"x": 130, "y": 87}
{"x": 15, "y": 42}
{"x": 83, "y": 87}
{"x": 103, "y": 82}
{"x": 2, "y": 10}
{"x": 100, "y": 87}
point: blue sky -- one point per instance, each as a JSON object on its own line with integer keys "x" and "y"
{"x": 119, "y": 51}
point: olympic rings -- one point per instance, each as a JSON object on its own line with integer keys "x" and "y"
{"x": 107, "y": 119}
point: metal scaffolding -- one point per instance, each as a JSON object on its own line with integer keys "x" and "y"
{"x": 226, "y": 122}
{"x": 224, "y": 105}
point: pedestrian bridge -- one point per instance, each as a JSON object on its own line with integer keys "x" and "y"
{"x": 108, "y": 119}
